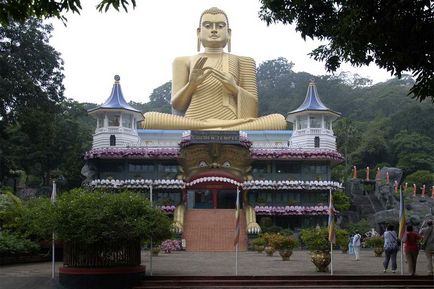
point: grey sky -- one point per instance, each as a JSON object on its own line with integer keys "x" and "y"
{"x": 140, "y": 45}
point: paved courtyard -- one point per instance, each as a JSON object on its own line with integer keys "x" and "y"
{"x": 37, "y": 275}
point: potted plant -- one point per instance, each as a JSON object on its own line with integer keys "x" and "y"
{"x": 377, "y": 243}
{"x": 342, "y": 237}
{"x": 259, "y": 244}
{"x": 102, "y": 234}
{"x": 316, "y": 240}
{"x": 268, "y": 238}
{"x": 285, "y": 245}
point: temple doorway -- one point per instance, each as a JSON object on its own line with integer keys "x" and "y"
{"x": 212, "y": 199}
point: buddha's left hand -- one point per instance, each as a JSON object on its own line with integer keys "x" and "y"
{"x": 227, "y": 80}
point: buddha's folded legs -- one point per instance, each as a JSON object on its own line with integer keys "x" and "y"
{"x": 157, "y": 120}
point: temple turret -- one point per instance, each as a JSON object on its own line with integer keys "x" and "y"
{"x": 312, "y": 123}
{"x": 116, "y": 121}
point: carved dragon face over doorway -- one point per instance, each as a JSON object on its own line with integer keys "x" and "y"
{"x": 229, "y": 159}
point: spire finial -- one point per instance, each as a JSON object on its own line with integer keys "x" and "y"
{"x": 117, "y": 78}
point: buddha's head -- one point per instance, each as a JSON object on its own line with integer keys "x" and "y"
{"x": 213, "y": 30}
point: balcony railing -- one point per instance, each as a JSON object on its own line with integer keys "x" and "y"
{"x": 115, "y": 130}
{"x": 316, "y": 131}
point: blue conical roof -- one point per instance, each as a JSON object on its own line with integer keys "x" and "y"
{"x": 312, "y": 102}
{"x": 116, "y": 99}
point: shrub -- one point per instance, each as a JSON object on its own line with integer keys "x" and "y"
{"x": 342, "y": 238}
{"x": 316, "y": 239}
{"x": 361, "y": 226}
{"x": 98, "y": 217}
{"x": 375, "y": 242}
{"x": 341, "y": 201}
{"x": 13, "y": 245}
{"x": 282, "y": 242}
{"x": 170, "y": 245}
{"x": 420, "y": 178}
{"x": 258, "y": 242}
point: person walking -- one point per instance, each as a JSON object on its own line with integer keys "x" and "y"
{"x": 427, "y": 232}
{"x": 391, "y": 248}
{"x": 350, "y": 246}
{"x": 411, "y": 248}
{"x": 356, "y": 245}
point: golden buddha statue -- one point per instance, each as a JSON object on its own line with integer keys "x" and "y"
{"x": 214, "y": 90}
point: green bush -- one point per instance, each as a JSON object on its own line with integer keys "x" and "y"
{"x": 258, "y": 242}
{"x": 342, "y": 238}
{"x": 341, "y": 201}
{"x": 420, "y": 178}
{"x": 375, "y": 242}
{"x": 315, "y": 239}
{"x": 11, "y": 209}
{"x": 283, "y": 242}
{"x": 13, "y": 245}
{"x": 98, "y": 217}
{"x": 361, "y": 226}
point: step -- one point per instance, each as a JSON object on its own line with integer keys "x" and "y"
{"x": 316, "y": 281}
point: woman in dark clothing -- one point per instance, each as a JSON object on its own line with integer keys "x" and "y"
{"x": 411, "y": 248}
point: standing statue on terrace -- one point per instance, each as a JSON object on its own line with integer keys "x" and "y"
{"x": 214, "y": 90}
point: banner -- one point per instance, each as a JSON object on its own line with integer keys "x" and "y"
{"x": 332, "y": 225}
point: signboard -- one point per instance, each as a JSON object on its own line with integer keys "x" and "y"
{"x": 221, "y": 137}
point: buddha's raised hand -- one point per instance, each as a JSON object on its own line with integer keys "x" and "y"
{"x": 199, "y": 73}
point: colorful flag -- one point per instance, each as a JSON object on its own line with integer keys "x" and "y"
{"x": 401, "y": 215}
{"x": 331, "y": 226}
{"x": 237, "y": 219}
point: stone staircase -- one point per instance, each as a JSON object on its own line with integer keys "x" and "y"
{"x": 213, "y": 230}
{"x": 304, "y": 281}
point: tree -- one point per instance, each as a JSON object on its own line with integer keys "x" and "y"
{"x": 347, "y": 139}
{"x": 30, "y": 70}
{"x": 414, "y": 151}
{"x": 396, "y": 35}
{"x": 31, "y": 75}
{"x": 11, "y": 10}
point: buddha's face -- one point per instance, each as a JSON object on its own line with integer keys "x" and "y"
{"x": 213, "y": 31}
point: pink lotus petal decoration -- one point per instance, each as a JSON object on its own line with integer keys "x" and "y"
{"x": 291, "y": 210}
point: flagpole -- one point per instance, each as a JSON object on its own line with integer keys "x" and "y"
{"x": 401, "y": 231}
{"x": 53, "y": 246}
{"x": 331, "y": 258}
{"x": 402, "y": 263}
{"x": 331, "y": 229}
{"x": 237, "y": 229}
{"x": 150, "y": 255}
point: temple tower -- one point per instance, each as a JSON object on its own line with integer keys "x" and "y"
{"x": 116, "y": 121}
{"x": 312, "y": 123}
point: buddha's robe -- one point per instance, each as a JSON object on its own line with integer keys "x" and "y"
{"x": 212, "y": 107}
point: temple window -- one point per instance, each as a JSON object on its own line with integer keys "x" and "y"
{"x": 143, "y": 168}
{"x": 302, "y": 123}
{"x": 113, "y": 120}
{"x": 112, "y": 140}
{"x": 287, "y": 168}
{"x": 328, "y": 123}
{"x": 126, "y": 121}
{"x": 316, "y": 142}
{"x": 100, "y": 121}
{"x": 315, "y": 122}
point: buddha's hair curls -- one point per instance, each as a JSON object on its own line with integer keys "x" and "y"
{"x": 213, "y": 11}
